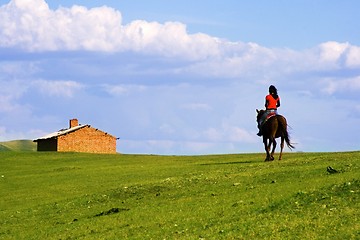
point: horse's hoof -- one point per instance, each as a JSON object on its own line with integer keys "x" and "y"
{"x": 272, "y": 158}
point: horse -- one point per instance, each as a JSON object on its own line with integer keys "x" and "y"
{"x": 272, "y": 128}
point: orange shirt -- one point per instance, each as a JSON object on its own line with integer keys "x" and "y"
{"x": 271, "y": 102}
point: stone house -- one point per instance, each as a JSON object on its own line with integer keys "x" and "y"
{"x": 78, "y": 138}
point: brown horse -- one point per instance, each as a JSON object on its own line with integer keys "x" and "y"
{"x": 273, "y": 128}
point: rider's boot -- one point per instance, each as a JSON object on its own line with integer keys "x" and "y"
{"x": 260, "y": 132}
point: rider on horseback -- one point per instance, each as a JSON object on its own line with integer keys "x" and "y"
{"x": 272, "y": 102}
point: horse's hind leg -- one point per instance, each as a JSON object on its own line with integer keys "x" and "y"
{"x": 273, "y": 149}
{"x": 267, "y": 149}
{"x": 281, "y": 148}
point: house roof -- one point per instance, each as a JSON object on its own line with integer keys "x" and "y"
{"x": 61, "y": 132}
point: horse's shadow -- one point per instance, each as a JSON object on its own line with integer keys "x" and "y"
{"x": 225, "y": 163}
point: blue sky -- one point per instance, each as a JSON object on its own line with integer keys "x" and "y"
{"x": 177, "y": 77}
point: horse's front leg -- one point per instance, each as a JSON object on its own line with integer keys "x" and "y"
{"x": 281, "y": 148}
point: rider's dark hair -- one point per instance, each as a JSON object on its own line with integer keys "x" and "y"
{"x": 273, "y": 91}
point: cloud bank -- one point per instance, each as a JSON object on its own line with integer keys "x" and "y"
{"x": 100, "y": 29}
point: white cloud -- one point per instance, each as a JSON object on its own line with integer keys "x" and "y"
{"x": 350, "y": 85}
{"x": 332, "y": 51}
{"x": 337, "y": 55}
{"x": 17, "y": 69}
{"x": 7, "y": 104}
{"x": 197, "y": 106}
{"x": 228, "y": 133}
{"x": 57, "y": 88}
{"x": 35, "y": 27}
{"x": 123, "y": 89}
{"x": 10, "y": 93}
{"x": 213, "y": 134}
{"x": 237, "y": 134}
{"x": 8, "y": 134}
{"x": 251, "y": 61}
{"x": 353, "y": 57}
{"x": 169, "y": 39}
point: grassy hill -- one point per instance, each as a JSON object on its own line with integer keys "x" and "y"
{"x": 88, "y": 196}
{"x": 18, "y": 145}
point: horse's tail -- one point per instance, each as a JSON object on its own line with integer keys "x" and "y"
{"x": 283, "y": 124}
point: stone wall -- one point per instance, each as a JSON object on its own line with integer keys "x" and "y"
{"x": 87, "y": 139}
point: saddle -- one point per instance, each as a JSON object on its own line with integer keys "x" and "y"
{"x": 267, "y": 116}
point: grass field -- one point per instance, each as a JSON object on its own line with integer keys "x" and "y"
{"x": 86, "y": 196}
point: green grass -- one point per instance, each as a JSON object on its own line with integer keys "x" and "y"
{"x": 18, "y": 146}
{"x": 88, "y": 196}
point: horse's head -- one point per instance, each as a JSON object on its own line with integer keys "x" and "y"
{"x": 259, "y": 114}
